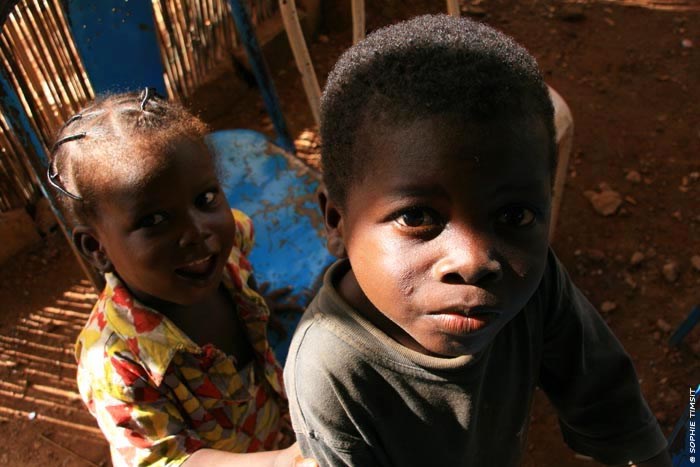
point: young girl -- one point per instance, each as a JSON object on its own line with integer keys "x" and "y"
{"x": 174, "y": 361}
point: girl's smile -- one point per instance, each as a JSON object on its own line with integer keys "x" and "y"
{"x": 166, "y": 226}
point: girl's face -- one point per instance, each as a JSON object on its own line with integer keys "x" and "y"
{"x": 166, "y": 226}
{"x": 447, "y": 231}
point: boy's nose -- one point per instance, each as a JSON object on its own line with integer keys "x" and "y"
{"x": 470, "y": 258}
{"x": 195, "y": 232}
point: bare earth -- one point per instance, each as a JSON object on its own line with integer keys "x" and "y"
{"x": 629, "y": 70}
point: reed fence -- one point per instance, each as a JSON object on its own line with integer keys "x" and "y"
{"x": 38, "y": 51}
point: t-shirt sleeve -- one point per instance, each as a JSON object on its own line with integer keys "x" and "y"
{"x": 142, "y": 426}
{"x": 327, "y": 415}
{"x": 590, "y": 379}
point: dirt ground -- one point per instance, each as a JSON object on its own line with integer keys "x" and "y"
{"x": 629, "y": 70}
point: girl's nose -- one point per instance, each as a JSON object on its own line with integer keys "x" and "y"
{"x": 194, "y": 232}
{"x": 470, "y": 258}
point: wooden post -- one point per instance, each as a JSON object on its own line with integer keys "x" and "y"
{"x": 301, "y": 55}
{"x": 358, "y": 20}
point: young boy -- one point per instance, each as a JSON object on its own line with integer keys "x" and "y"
{"x": 427, "y": 340}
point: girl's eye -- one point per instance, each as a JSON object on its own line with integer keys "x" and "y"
{"x": 517, "y": 216}
{"x": 417, "y": 218}
{"x": 151, "y": 220}
{"x": 207, "y": 198}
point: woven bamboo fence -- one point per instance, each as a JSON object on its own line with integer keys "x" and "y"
{"x": 37, "y": 48}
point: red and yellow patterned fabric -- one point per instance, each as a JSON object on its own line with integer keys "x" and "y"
{"x": 158, "y": 397}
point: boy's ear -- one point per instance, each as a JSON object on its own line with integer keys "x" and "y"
{"x": 91, "y": 249}
{"x": 333, "y": 221}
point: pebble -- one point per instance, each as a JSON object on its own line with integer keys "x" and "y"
{"x": 663, "y": 325}
{"x": 637, "y": 258}
{"x": 686, "y": 43}
{"x": 633, "y": 176}
{"x": 695, "y": 262}
{"x": 608, "y": 306}
{"x": 671, "y": 271}
{"x": 695, "y": 347}
{"x": 323, "y": 39}
{"x": 31, "y": 415}
{"x": 606, "y": 202}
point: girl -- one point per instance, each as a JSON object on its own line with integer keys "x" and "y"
{"x": 174, "y": 361}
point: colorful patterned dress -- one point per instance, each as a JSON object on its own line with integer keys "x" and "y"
{"x": 158, "y": 397}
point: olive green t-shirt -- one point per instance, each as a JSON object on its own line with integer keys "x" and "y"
{"x": 359, "y": 398}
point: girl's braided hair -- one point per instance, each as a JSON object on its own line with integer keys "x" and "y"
{"x": 109, "y": 133}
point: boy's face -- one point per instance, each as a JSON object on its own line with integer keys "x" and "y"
{"x": 166, "y": 227}
{"x": 447, "y": 231}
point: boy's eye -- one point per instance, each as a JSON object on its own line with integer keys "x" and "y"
{"x": 517, "y": 216}
{"x": 417, "y": 218}
{"x": 151, "y": 220}
{"x": 207, "y": 198}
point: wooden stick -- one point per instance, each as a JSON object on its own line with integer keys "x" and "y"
{"x": 564, "y": 125}
{"x": 301, "y": 57}
{"x": 358, "y": 20}
{"x": 453, "y": 8}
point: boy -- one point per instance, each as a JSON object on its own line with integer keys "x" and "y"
{"x": 427, "y": 340}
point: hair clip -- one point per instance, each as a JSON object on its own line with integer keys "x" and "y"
{"x": 53, "y": 181}
{"x": 148, "y": 93}
{"x": 53, "y": 177}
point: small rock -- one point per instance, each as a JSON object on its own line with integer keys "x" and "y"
{"x": 606, "y": 202}
{"x": 686, "y": 43}
{"x": 322, "y": 38}
{"x": 596, "y": 255}
{"x": 31, "y": 415}
{"x": 678, "y": 215}
{"x": 695, "y": 347}
{"x": 671, "y": 271}
{"x": 633, "y": 176}
{"x": 608, "y": 306}
{"x": 637, "y": 258}
{"x": 657, "y": 336}
{"x": 663, "y": 325}
{"x": 695, "y": 262}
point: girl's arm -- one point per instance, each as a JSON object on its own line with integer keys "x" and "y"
{"x": 290, "y": 457}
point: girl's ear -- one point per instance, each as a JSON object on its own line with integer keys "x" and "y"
{"x": 333, "y": 221}
{"x": 91, "y": 249}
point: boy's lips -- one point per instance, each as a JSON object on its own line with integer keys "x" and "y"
{"x": 463, "y": 321}
{"x": 199, "y": 269}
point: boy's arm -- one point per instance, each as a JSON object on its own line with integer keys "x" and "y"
{"x": 330, "y": 423}
{"x": 591, "y": 380}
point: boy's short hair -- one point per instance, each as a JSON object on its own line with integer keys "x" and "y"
{"x": 430, "y": 65}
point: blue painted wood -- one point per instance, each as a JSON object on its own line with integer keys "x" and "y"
{"x": 117, "y": 42}
{"x": 279, "y": 193}
{"x": 262, "y": 74}
{"x": 18, "y": 121}
{"x": 685, "y": 327}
